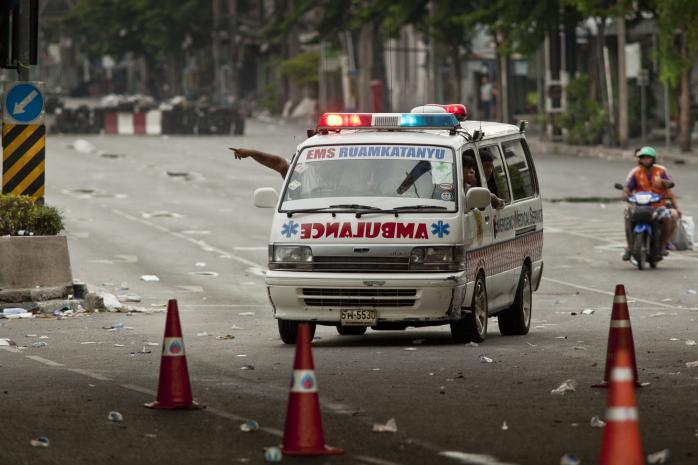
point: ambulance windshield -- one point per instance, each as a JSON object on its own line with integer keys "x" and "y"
{"x": 390, "y": 175}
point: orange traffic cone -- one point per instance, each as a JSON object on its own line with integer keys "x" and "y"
{"x": 620, "y": 335}
{"x": 303, "y": 432}
{"x": 621, "y": 444}
{"x": 174, "y": 390}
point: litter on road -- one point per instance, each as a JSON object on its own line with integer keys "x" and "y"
{"x": 505, "y": 427}
{"x": 115, "y": 417}
{"x": 485, "y": 359}
{"x": 41, "y": 441}
{"x": 40, "y": 344}
{"x": 658, "y": 457}
{"x": 226, "y": 337}
{"x": 597, "y": 422}
{"x": 247, "y": 367}
{"x": 692, "y": 364}
{"x": 568, "y": 385}
{"x": 272, "y": 454}
{"x": 149, "y": 277}
{"x": 249, "y": 426}
{"x": 690, "y": 342}
{"x": 246, "y": 314}
{"x": 390, "y": 426}
{"x": 588, "y": 311}
{"x": 570, "y": 459}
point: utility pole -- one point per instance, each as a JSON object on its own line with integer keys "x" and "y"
{"x": 216, "y": 48}
{"x": 622, "y": 87}
{"x": 234, "y": 54}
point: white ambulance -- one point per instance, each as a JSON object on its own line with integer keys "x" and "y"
{"x": 376, "y": 228}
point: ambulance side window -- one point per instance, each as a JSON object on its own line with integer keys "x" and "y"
{"x": 494, "y": 172}
{"x": 520, "y": 173}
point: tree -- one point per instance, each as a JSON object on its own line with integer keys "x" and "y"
{"x": 600, "y": 11}
{"x": 678, "y": 45}
{"x": 152, "y": 29}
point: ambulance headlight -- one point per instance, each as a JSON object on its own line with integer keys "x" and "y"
{"x": 437, "y": 258}
{"x": 290, "y": 257}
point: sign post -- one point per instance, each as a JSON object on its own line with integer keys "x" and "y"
{"x": 23, "y": 140}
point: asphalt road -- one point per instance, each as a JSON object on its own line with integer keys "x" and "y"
{"x": 179, "y": 206}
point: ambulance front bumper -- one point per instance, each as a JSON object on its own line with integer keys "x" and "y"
{"x": 320, "y": 297}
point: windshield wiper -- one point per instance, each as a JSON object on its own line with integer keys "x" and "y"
{"x": 366, "y": 209}
{"x": 354, "y": 206}
{"x": 420, "y": 207}
{"x": 347, "y": 206}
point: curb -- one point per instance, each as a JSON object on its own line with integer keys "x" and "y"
{"x": 539, "y": 145}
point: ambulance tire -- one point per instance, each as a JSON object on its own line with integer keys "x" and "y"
{"x": 288, "y": 330}
{"x": 472, "y": 327}
{"x": 351, "y": 330}
{"x": 516, "y": 320}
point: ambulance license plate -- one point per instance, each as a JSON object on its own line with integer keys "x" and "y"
{"x": 358, "y": 317}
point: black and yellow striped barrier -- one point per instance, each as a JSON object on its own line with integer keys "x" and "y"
{"x": 23, "y": 159}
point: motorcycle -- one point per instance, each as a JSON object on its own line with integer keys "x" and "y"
{"x": 645, "y": 227}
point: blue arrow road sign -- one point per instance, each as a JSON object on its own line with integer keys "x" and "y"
{"x": 24, "y": 103}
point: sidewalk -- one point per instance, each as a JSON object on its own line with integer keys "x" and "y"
{"x": 538, "y": 145}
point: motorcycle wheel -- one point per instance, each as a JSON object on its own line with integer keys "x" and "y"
{"x": 640, "y": 249}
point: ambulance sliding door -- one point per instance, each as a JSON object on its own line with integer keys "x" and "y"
{"x": 499, "y": 257}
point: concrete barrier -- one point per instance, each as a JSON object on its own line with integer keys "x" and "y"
{"x": 28, "y": 262}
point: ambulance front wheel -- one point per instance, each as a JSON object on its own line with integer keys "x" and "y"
{"x": 472, "y": 327}
{"x": 288, "y": 330}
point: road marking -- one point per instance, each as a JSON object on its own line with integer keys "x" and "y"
{"x": 231, "y": 416}
{"x": 88, "y": 373}
{"x": 14, "y": 350}
{"x": 45, "y": 361}
{"x": 599, "y": 291}
{"x": 142, "y": 390}
{"x": 374, "y": 460}
{"x": 206, "y": 247}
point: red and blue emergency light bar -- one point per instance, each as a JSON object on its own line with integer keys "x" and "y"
{"x": 447, "y": 117}
{"x": 336, "y": 121}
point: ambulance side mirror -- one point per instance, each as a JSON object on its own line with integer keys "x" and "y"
{"x": 477, "y": 197}
{"x": 265, "y": 197}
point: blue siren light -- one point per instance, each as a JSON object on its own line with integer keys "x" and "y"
{"x": 445, "y": 120}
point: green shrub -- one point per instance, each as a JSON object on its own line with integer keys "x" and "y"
{"x": 583, "y": 118}
{"x": 19, "y": 213}
{"x": 46, "y": 221}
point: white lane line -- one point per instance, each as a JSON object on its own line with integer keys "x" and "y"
{"x": 599, "y": 291}
{"x": 142, "y": 390}
{"x": 14, "y": 350}
{"x": 374, "y": 460}
{"x": 88, "y": 373}
{"x": 45, "y": 361}
{"x": 231, "y": 416}
{"x": 202, "y": 244}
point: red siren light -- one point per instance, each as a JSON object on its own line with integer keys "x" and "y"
{"x": 344, "y": 120}
{"x": 458, "y": 110}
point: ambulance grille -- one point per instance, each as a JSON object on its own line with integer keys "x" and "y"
{"x": 386, "y": 121}
{"x": 323, "y": 297}
{"x": 351, "y": 264}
